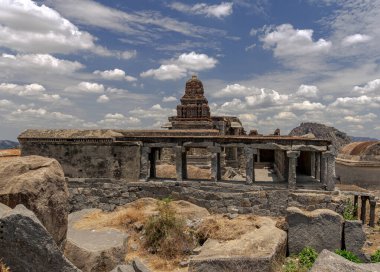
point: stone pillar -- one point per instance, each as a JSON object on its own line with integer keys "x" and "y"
{"x": 292, "y": 173}
{"x": 356, "y": 204}
{"x": 372, "y": 209}
{"x": 144, "y": 163}
{"x": 324, "y": 170}
{"x": 318, "y": 166}
{"x": 180, "y": 162}
{"x": 250, "y": 164}
{"x": 363, "y": 209}
{"x": 312, "y": 164}
{"x": 215, "y": 163}
{"x": 258, "y": 155}
{"x": 330, "y": 178}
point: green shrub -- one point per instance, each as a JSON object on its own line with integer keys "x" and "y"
{"x": 349, "y": 210}
{"x": 375, "y": 258}
{"x": 348, "y": 255}
{"x": 166, "y": 233}
{"x": 307, "y": 257}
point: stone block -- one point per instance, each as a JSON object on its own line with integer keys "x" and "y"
{"x": 354, "y": 237}
{"x": 330, "y": 262}
{"x": 26, "y": 245}
{"x": 319, "y": 229}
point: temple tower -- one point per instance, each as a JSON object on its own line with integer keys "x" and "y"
{"x": 194, "y": 111}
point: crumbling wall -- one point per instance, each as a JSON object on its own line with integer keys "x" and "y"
{"x": 84, "y": 160}
{"x": 106, "y": 194}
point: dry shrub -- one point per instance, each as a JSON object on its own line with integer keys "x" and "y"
{"x": 3, "y": 267}
{"x": 166, "y": 233}
{"x": 222, "y": 228}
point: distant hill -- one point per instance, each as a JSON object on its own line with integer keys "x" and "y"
{"x": 6, "y": 144}
{"x": 363, "y": 139}
{"x": 320, "y": 131}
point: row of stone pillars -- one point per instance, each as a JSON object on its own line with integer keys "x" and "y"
{"x": 322, "y": 168}
{"x": 363, "y": 210}
{"x": 324, "y": 164}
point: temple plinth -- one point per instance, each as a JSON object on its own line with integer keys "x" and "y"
{"x": 194, "y": 111}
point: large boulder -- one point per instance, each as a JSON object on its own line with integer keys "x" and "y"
{"x": 94, "y": 249}
{"x": 330, "y": 262}
{"x": 39, "y": 184}
{"x": 319, "y": 229}
{"x": 354, "y": 237}
{"x": 260, "y": 249}
{"x": 26, "y": 245}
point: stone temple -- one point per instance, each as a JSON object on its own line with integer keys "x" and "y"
{"x": 191, "y": 136}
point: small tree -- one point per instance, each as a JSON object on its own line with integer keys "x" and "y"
{"x": 349, "y": 210}
{"x": 307, "y": 257}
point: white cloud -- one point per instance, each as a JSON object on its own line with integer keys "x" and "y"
{"x": 45, "y": 62}
{"x": 117, "y": 119}
{"x": 142, "y": 24}
{"x": 308, "y": 91}
{"x": 178, "y": 68}
{"x": 86, "y": 87}
{"x": 115, "y": 74}
{"x": 308, "y": 106}
{"x": 370, "y": 87}
{"x": 166, "y": 72}
{"x": 40, "y": 117}
{"x": 235, "y": 90}
{"x": 287, "y": 41}
{"x": 361, "y": 118}
{"x": 247, "y": 117}
{"x": 32, "y": 91}
{"x": 103, "y": 99}
{"x": 266, "y": 98}
{"x": 4, "y": 103}
{"x": 169, "y": 99}
{"x": 352, "y": 101}
{"x": 285, "y": 115}
{"x": 222, "y": 10}
{"x": 356, "y": 38}
{"x": 27, "y": 27}
{"x": 156, "y": 112}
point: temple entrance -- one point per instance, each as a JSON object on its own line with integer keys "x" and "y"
{"x": 304, "y": 163}
{"x": 198, "y": 163}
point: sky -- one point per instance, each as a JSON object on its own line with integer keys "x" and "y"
{"x": 90, "y": 64}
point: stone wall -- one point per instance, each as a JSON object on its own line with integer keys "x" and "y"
{"x": 358, "y": 175}
{"x": 117, "y": 160}
{"x": 216, "y": 197}
{"x": 281, "y": 164}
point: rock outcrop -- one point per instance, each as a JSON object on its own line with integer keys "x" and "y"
{"x": 331, "y": 262}
{"x": 261, "y": 249}
{"x": 94, "y": 250}
{"x": 26, "y": 245}
{"x": 320, "y": 131}
{"x": 38, "y": 183}
{"x": 319, "y": 229}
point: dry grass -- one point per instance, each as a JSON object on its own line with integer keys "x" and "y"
{"x": 194, "y": 172}
{"x": 3, "y": 267}
{"x": 122, "y": 218}
{"x": 222, "y": 228}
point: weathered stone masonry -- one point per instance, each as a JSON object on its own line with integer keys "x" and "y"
{"x": 222, "y": 198}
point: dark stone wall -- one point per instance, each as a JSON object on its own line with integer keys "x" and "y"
{"x": 85, "y": 160}
{"x": 218, "y": 198}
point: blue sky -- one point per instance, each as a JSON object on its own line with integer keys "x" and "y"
{"x": 123, "y": 64}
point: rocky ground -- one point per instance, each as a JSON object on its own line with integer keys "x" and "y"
{"x": 230, "y": 236}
